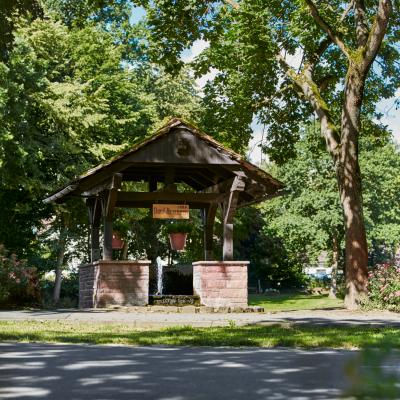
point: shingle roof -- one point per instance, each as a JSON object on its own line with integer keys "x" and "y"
{"x": 73, "y": 187}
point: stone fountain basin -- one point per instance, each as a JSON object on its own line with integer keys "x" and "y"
{"x": 174, "y": 300}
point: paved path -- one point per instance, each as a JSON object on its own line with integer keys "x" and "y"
{"x": 155, "y": 319}
{"x": 78, "y": 372}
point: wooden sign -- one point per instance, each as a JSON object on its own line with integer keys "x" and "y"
{"x": 171, "y": 211}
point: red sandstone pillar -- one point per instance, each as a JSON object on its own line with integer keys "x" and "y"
{"x": 221, "y": 283}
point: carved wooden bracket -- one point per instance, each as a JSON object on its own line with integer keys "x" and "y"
{"x": 230, "y": 203}
{"x": 94, "y": 208}
{"x": 109, "y": 197}
{"x": 229, "y": 208}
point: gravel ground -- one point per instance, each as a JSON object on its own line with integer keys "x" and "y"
{"x": 162, "y": 319}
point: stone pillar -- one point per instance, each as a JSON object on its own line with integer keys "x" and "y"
{"x": 105, "y": 283}
{"x": 86, "y": 285}
{"x": 221, "y": 283}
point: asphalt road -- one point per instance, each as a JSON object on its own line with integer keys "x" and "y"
{"x": 77, "y": 372}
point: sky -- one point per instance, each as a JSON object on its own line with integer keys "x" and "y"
{"x": 391, "y": 115}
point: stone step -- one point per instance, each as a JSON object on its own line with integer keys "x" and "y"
{"x": 187, "y": 309}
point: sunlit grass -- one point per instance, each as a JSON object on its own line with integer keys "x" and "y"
{"x": 262, "y": 336}
{"x": 294, "y": 302}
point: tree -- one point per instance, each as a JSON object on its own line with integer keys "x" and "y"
{"x": 337, "y": 80}
{"x": 309, "y": 219}
{"x": 271, "y": 261}
{"x": 9, "y": 9}
{"x": 68, "y": 100}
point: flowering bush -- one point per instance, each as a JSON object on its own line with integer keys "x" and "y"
{"x": 384, "y": 288}
{"x": 19, "y": 284}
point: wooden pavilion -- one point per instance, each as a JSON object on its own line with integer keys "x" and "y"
{"x": 177, "y": 153}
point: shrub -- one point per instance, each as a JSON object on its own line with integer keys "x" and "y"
{"x": 69, "y": 295}
{"x": 384, "y": 288}
{"x": 19, "y": 285}
{"x": 179, "y": 227}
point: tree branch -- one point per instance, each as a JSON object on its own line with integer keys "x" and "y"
{"x": 378, "y": 31}
{"x": 313, "y": 95}
{"x": 361, "y": 23}
{"x": 324, "y": 82}
{"x": 315, "y": 57}
{"x": 323, "y": 25}
{"x": 347, "y": 10}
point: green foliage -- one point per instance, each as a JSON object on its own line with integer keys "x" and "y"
{"x": 308, "y": 216}
{"x": 383, "y": 288}
{"x": 9, "y": 9}
{"x": 380, "y": 168}
{"x": 68, "y": 100}
{"x": 179, "y": 227}
{"x": 18, "y": 284}
{"x": 244, "y": 40}
{"x": 270, "y": 261}
{"x": 69, "y": 296}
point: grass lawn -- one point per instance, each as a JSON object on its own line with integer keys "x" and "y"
{"x": 294, "y": 301}
{"x": 262, "y": 336}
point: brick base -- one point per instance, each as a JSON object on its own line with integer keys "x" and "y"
{"x": 221, "y": 283}
{"x": 104, "y": 283}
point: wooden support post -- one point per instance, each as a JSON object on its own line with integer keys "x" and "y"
{"x": 107, "y": 244}
{"x": 209, "y": 218}
{"x": 152, "y": 184}
{"x": 228, "y": 211}
{"x": 95, "y": 242}
{"x": 94, "y": 209}
{"x": 169, "y": 181}
{"x": 108, "y": 201}
{"x": 227, "y": 248}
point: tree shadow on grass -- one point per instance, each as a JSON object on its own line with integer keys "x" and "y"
{"x": 258, "y": 336}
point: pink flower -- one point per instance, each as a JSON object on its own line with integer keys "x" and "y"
{"x": 397, "y": 293}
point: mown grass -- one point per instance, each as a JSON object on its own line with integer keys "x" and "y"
{"x": 262, "y": 336}
{"x": 294, "y": 302}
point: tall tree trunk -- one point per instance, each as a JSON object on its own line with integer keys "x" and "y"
{"x": 124, "y": 255}
{"x": 59, "y": 268}
{"x": 335, "y": 264}
{"x": 349, "y": 181}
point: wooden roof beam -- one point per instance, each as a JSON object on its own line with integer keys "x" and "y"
{"x": 134, "y": 197}
{"x": 114, "y": 181}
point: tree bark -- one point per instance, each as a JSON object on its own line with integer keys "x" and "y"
{"x": 349, "y": 182}
{"x": 58, "y": 271}
{"x": 335, "y": 263}
{"x": 124, "y": 255}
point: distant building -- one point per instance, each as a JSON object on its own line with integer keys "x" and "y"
{"x": 320, "y": 269}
